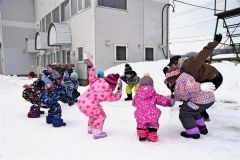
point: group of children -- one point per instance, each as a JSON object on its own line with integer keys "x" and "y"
{"x": 190, "y": 80}
{"x": 46, "y": 91}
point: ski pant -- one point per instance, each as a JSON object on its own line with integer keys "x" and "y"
{"x": 129, "y": 88}
{"x": 190, "y": 112}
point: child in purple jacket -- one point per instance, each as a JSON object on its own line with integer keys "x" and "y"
{"x": 196, "y": 98}
{"x": 147, "y": 114}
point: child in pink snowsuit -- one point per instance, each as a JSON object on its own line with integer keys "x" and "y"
{"x": 89, "y": 103}
{"x": 147, "y": 114}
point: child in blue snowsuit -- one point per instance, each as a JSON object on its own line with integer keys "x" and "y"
{"x": 68, "y": 87}
{"x": 51, "y": 95}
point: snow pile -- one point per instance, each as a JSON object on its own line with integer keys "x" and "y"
{"x": 24, "y": 138}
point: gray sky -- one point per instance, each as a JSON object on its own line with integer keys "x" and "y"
{"x": 183, "y": 25}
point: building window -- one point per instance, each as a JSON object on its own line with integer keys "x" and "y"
{"x": 44, "y": 60}
{"x": 43, "y": 25}
{"x": 58, "y": 55}
{"x": 55, "y": 15}
{"x": 120, "y": 4}
{"x": 149, "y": 54}
{"x": 49, "y": 59}
{"x": 53, "y": 58}
{"x": 80, "y": 54}
{"x": 38, "y": 61}
{"x": 65, "y": 11}
{"x": 74, "y": 7}
{"x": 64, "y": 56}
{"x": 68, "y": 57}
{"x": 120, "y": 52}
{"x": 80, "y": 5}
{"x": 87, "y": 3}
{"x": 48, "y": 20}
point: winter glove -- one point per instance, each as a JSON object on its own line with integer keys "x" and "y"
{"x": 172, "y": 101}
{"x": 119, "y": 85}
{"x": 89, "y": 63}
{"x": 218, "y": 37}
{"x": 207, "y": 87}
{"x": 26, "y": 86}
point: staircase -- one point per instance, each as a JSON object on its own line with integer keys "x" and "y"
{"x": 231, "y": 23}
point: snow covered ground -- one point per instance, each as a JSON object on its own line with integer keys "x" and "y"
{"x": 24, "y": 138}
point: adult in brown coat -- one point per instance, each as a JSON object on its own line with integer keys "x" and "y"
{"x": 196, "y": 67}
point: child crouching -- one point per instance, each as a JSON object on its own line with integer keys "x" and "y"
{"x": 147, "y": 114}
{"x": 89, "y": 103}
{"x": 195, "y": 100}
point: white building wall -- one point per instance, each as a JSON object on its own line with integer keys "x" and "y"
{"x": 15, "y": 29}
{"x": 43, "y": 7}
{"x": 138, "y": 26}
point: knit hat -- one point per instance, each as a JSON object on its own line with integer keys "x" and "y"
{"x": 128, "y": 69}
{"x": 74, "y": 75}
{"x": 100, "y": 74}
{"x": 146, "y": 80}
{"x": 112, "y": 79}
{"x": 65, "y": 76}
{"x": 174, "y": 60}
{"x": 171, "y": 76}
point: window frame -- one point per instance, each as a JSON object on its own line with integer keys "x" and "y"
{"x": 145, "y": 47}
{"x": 114, "y": 7}
{"x": 82, "y": 54}
{"x": 115, "y": 51}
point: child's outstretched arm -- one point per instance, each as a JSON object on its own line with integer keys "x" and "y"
{"x": 117, "y": 95}
{"x": 165, "y": 101}
{"x": 198, "y": 60}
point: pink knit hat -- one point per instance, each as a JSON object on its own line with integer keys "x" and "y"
{"x": 112, "y": 79}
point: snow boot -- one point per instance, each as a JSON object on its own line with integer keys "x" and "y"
{"x": 142, "y": 134}
{"x": 49, "y": 119}
{"x": 152, "y": 135}
{"x": 129, "y": 97}
{"x": 58, "y": 122}
{"x": 97, "y": 133}
{"x": 34, "y": 112}
{"x": 191, "y": 133}
{"x": 201, "y": 126}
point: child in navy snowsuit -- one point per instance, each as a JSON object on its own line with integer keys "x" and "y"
{"x": 52, "y": 94}
{"x": 32, "y": 93}
{"x": 131, "y": 78}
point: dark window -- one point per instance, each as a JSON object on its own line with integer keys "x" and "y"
{"x": 121, "y": 53}
{"x": 58, "y": 57}
{"x": 37, "y": 60}
{"x": 64, "y": 56}
{"x": 65, "y": 15}
{"x": 48, "y": 20}
{"x": 55, "y": 15}
{"x": 120, "y": 4}
{"x": 74, "y": 7}
{"x": 149, "y": 55}
{"x": 80, "y": 6}
{"x": 68, "y": 57}
{"x": 80, "y": 54}
{"x": 49, "y": 61}
{"x": 43, "y": 25}
{"x": 87, "y": 3}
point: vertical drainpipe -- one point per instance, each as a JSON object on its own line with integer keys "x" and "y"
{"x": 143, "y": 33}
{"x": 94, "y": 4}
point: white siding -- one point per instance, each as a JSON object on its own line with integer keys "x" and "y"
{"x": 137, "y": 27}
